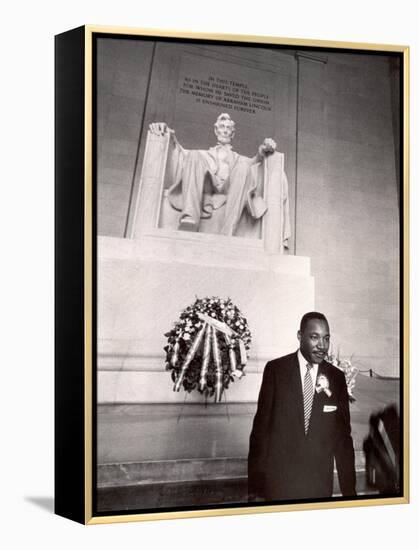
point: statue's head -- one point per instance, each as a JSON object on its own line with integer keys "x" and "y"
{"x": 224, "y": 128}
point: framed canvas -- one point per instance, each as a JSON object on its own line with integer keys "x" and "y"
{"x": 231, "y": 274}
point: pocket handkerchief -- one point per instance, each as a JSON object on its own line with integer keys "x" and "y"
{"x": 329, "y": 408}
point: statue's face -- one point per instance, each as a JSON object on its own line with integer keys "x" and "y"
{"x": 224, "y": 130}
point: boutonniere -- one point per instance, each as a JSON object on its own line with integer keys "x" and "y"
{"x": 322, "y": 384}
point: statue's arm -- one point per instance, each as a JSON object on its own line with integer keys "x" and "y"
{"x": 174, "y": 160}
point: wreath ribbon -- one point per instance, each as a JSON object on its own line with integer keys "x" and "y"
{"x": 209, "y": 329}
{"x": 228, "y": 333}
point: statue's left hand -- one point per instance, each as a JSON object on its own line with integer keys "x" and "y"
{"x": 268, "y": 147}
{"x": 160, "y": 128}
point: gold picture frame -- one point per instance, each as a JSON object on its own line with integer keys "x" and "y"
{"x": 77, "y": 139}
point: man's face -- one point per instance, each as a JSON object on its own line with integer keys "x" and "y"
{"x": 224, "y": 131}
{"x": 314, "y": 340}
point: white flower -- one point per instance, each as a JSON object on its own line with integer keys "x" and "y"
{"x": 186, "y": 336}
{"x": 322, "y": 381}
{"x": 345, "y": 364}
{"x": 322, "y": 384}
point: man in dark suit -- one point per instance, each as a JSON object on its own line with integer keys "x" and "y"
{"x": 302, "y": 423}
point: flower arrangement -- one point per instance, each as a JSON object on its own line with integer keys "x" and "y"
{"x": 207, "y": 347}
{"x": 350, "y": 372}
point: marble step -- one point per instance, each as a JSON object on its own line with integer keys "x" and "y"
{"x": 188, "y": 494}
{"x": 180, "y": 471}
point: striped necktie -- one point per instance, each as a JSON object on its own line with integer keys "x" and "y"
{"x": 308, "y": 393}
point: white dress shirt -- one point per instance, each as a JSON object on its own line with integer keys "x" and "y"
{"x": 303, "y": 369}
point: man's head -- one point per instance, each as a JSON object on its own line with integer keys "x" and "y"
{"x": 224, "y": 128}
{"x": 314, "y": 336}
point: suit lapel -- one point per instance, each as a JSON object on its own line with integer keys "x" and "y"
{"x": 318, "y": 399}
{"x": 297, "y": 390}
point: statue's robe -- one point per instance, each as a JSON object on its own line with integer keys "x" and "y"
{"x": 199, "y": 186}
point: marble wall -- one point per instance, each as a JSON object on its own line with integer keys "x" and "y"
{"x": 332, "y": 117}
{"x": 347, "y": 217}
{"x": 123, "y": 70}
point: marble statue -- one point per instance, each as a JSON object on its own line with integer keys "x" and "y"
{"x": 203, "y": 181}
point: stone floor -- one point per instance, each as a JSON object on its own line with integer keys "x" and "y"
{"x": 188, "y": 494}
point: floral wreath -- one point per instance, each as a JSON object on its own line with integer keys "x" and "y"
{"x": 207, "y": 347}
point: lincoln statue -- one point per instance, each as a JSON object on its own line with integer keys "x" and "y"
{"x": 219, "y": 179}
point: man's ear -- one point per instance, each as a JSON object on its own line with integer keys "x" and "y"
{"x": 299, "y": 335}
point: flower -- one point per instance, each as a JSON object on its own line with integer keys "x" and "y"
{"x": 350, "y": 372}
{"x": 323, "y": 381}
{"x": 322, "y": 384}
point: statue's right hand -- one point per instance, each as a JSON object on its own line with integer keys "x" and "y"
{"x": 159, "y": 128}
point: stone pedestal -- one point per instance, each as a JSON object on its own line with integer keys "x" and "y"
{"x": 152, "y": 438}
{"x": 144, "y": 284}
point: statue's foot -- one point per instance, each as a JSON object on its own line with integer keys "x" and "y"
{"x": 188, "y": 224}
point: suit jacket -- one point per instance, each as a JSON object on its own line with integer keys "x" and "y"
{"x": 284, "y": 462}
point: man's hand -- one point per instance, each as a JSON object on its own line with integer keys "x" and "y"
{"x": 267, "y": 148}
{"x": 160, "y": 128}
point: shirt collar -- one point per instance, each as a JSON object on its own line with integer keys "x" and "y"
{"x": 302, "y": 361}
